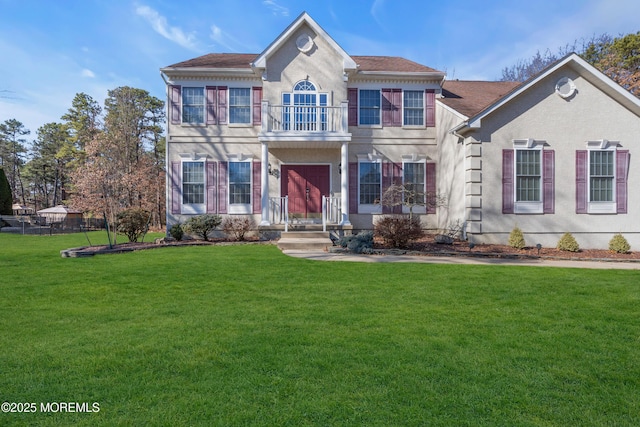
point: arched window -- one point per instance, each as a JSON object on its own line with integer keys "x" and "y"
{"x": 303, "y": 108}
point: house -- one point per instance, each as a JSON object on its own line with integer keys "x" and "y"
{"x": 304, "y": 132}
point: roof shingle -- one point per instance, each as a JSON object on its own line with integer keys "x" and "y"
{"x": 471, "y": 97}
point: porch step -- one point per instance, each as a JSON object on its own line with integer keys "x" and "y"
{"x": 305, "y": 240}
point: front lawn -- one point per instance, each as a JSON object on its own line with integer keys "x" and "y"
{"x": 244, "y": 335}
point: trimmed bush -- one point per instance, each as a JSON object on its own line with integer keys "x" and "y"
{"x": 568, "y": 243}
{"x": 619, "y": 244}
{"x": 516, "y": 239}
{"x": 202, "y": 225}
{"x": 176, "y": 231}
{"x": 361, "y": 243}
{"x": 398, "y": 231}
{"x": 133, "y": 223}
{"x": 238, "y": 226}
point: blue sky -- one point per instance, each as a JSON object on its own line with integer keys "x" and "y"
{"x": 52, "y": 49}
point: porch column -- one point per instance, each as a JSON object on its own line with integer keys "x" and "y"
{"x": 344, "y": 183}
{"x": 264, "y": 183}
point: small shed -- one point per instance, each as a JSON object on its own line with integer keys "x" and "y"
{"x": 21, "y": 210}
{"x": 62, "y": 214}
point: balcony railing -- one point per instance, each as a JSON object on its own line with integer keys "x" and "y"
{"x": 284, "y": 118}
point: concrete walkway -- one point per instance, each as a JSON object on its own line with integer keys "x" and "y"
{"x": 462, "y": 260}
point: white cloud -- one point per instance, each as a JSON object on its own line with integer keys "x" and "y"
{"x": 276, "y": 8}
{"x": 88, "y": 73}
{"x": 160, "y": 25}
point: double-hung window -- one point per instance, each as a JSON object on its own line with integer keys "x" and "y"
{"x": 240, "y": 105}
{"x": 240, "y": 187}
{"x": 601, "y": 178}
{"x": 528, "y": 176}
{"x": 414, "y": 186}
{"x": 369, "y": 186}
{"x": 369, "y": 107}
{"x": 413, "y": 108}
{"x": 193, "y": 103}
{"x": 193, "y": 187}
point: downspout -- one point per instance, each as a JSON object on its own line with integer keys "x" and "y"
{"x": 455, "y": 132}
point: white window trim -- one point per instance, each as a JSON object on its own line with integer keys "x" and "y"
{"x": 369, "y": 208}
{"x": 239, "y": 125}
{"x": 424, "y": 110}
{"x": 237, "y": 208}
{"x": 204, "y": 107}
{"x": 193, "y": 208}
{"x": 601, "y": 207}
{"x": 372, "y": 126}
{"x": 527, "y": 207}
{"x": 415, "y": 158}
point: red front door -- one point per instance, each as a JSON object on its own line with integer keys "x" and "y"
{"x": 305, "y": 185}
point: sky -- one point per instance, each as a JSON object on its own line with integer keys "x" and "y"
{"x": 50, "y": 50}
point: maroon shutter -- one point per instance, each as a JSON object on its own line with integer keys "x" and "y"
{"x": 257, "y": 187}
{"x": 222, "y": 187}
{"x": 396, "y": 107}
{"x": 211, "y": 169}
{"x": 175, "y": 188}
{"x": 622, "y": 171}
{"x": 507, "y": 181}
{"x": 582, "y": 198}
{"x": 174, "y": 100}
{"x": 386, "y": 107}
{"x": 430, "y": 104}
{"x": 257, "y": 106}
{"x": 430, "y": 177}
{"x": 548, "y": 185}
{"x": 212, "y": 98}
{"x": 397, "y": 180}
{"x": 222, "y": 105}
{"x": 353, "y": 188}
{"x": 353, "y": 106}
{"x": 387, "y": 178}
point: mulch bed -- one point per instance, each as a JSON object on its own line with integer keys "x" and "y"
{"x": 424, "y": 247}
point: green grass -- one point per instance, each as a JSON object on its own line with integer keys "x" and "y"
{"x": 243, "y": 335}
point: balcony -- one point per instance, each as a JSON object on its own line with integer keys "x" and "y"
{"x": 290, "y": 124}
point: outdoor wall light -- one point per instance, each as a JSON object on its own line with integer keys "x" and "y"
{"x": 471, "y": 246}
{"x": 274, "y": 172}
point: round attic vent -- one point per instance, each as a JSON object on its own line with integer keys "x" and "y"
{"x": 565, "y": 87}
{"x": 304, "y": 43}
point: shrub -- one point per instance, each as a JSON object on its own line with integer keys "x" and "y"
{"x": 568, "y": 243}
{"x": 133, "y": 223}
{"x": 202, "y": 225}
{"x": 398, "y": 231}
{"x": 361, "y": 243}
{"x": 516, "y": 239}
{"x": 619, "y": 244}
{"x": 176, "y": 231}
{"x": 238, "y": 226}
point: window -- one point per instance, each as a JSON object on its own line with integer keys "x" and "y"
{"x": 370, "y": 183}
{"x": 300, "y": 108}
{"x": 239, "y": 187}
{"x": 369, "y": 111}
{"x": 193, "y": 187}
{"x": 414, "y": 183}
{"x": 240, "y": 105}
{"x": 413, "y": 108}
{"x": 601, "y": 176}
{"x": 528, "y": 175}
{"x": 193, "y": 105}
